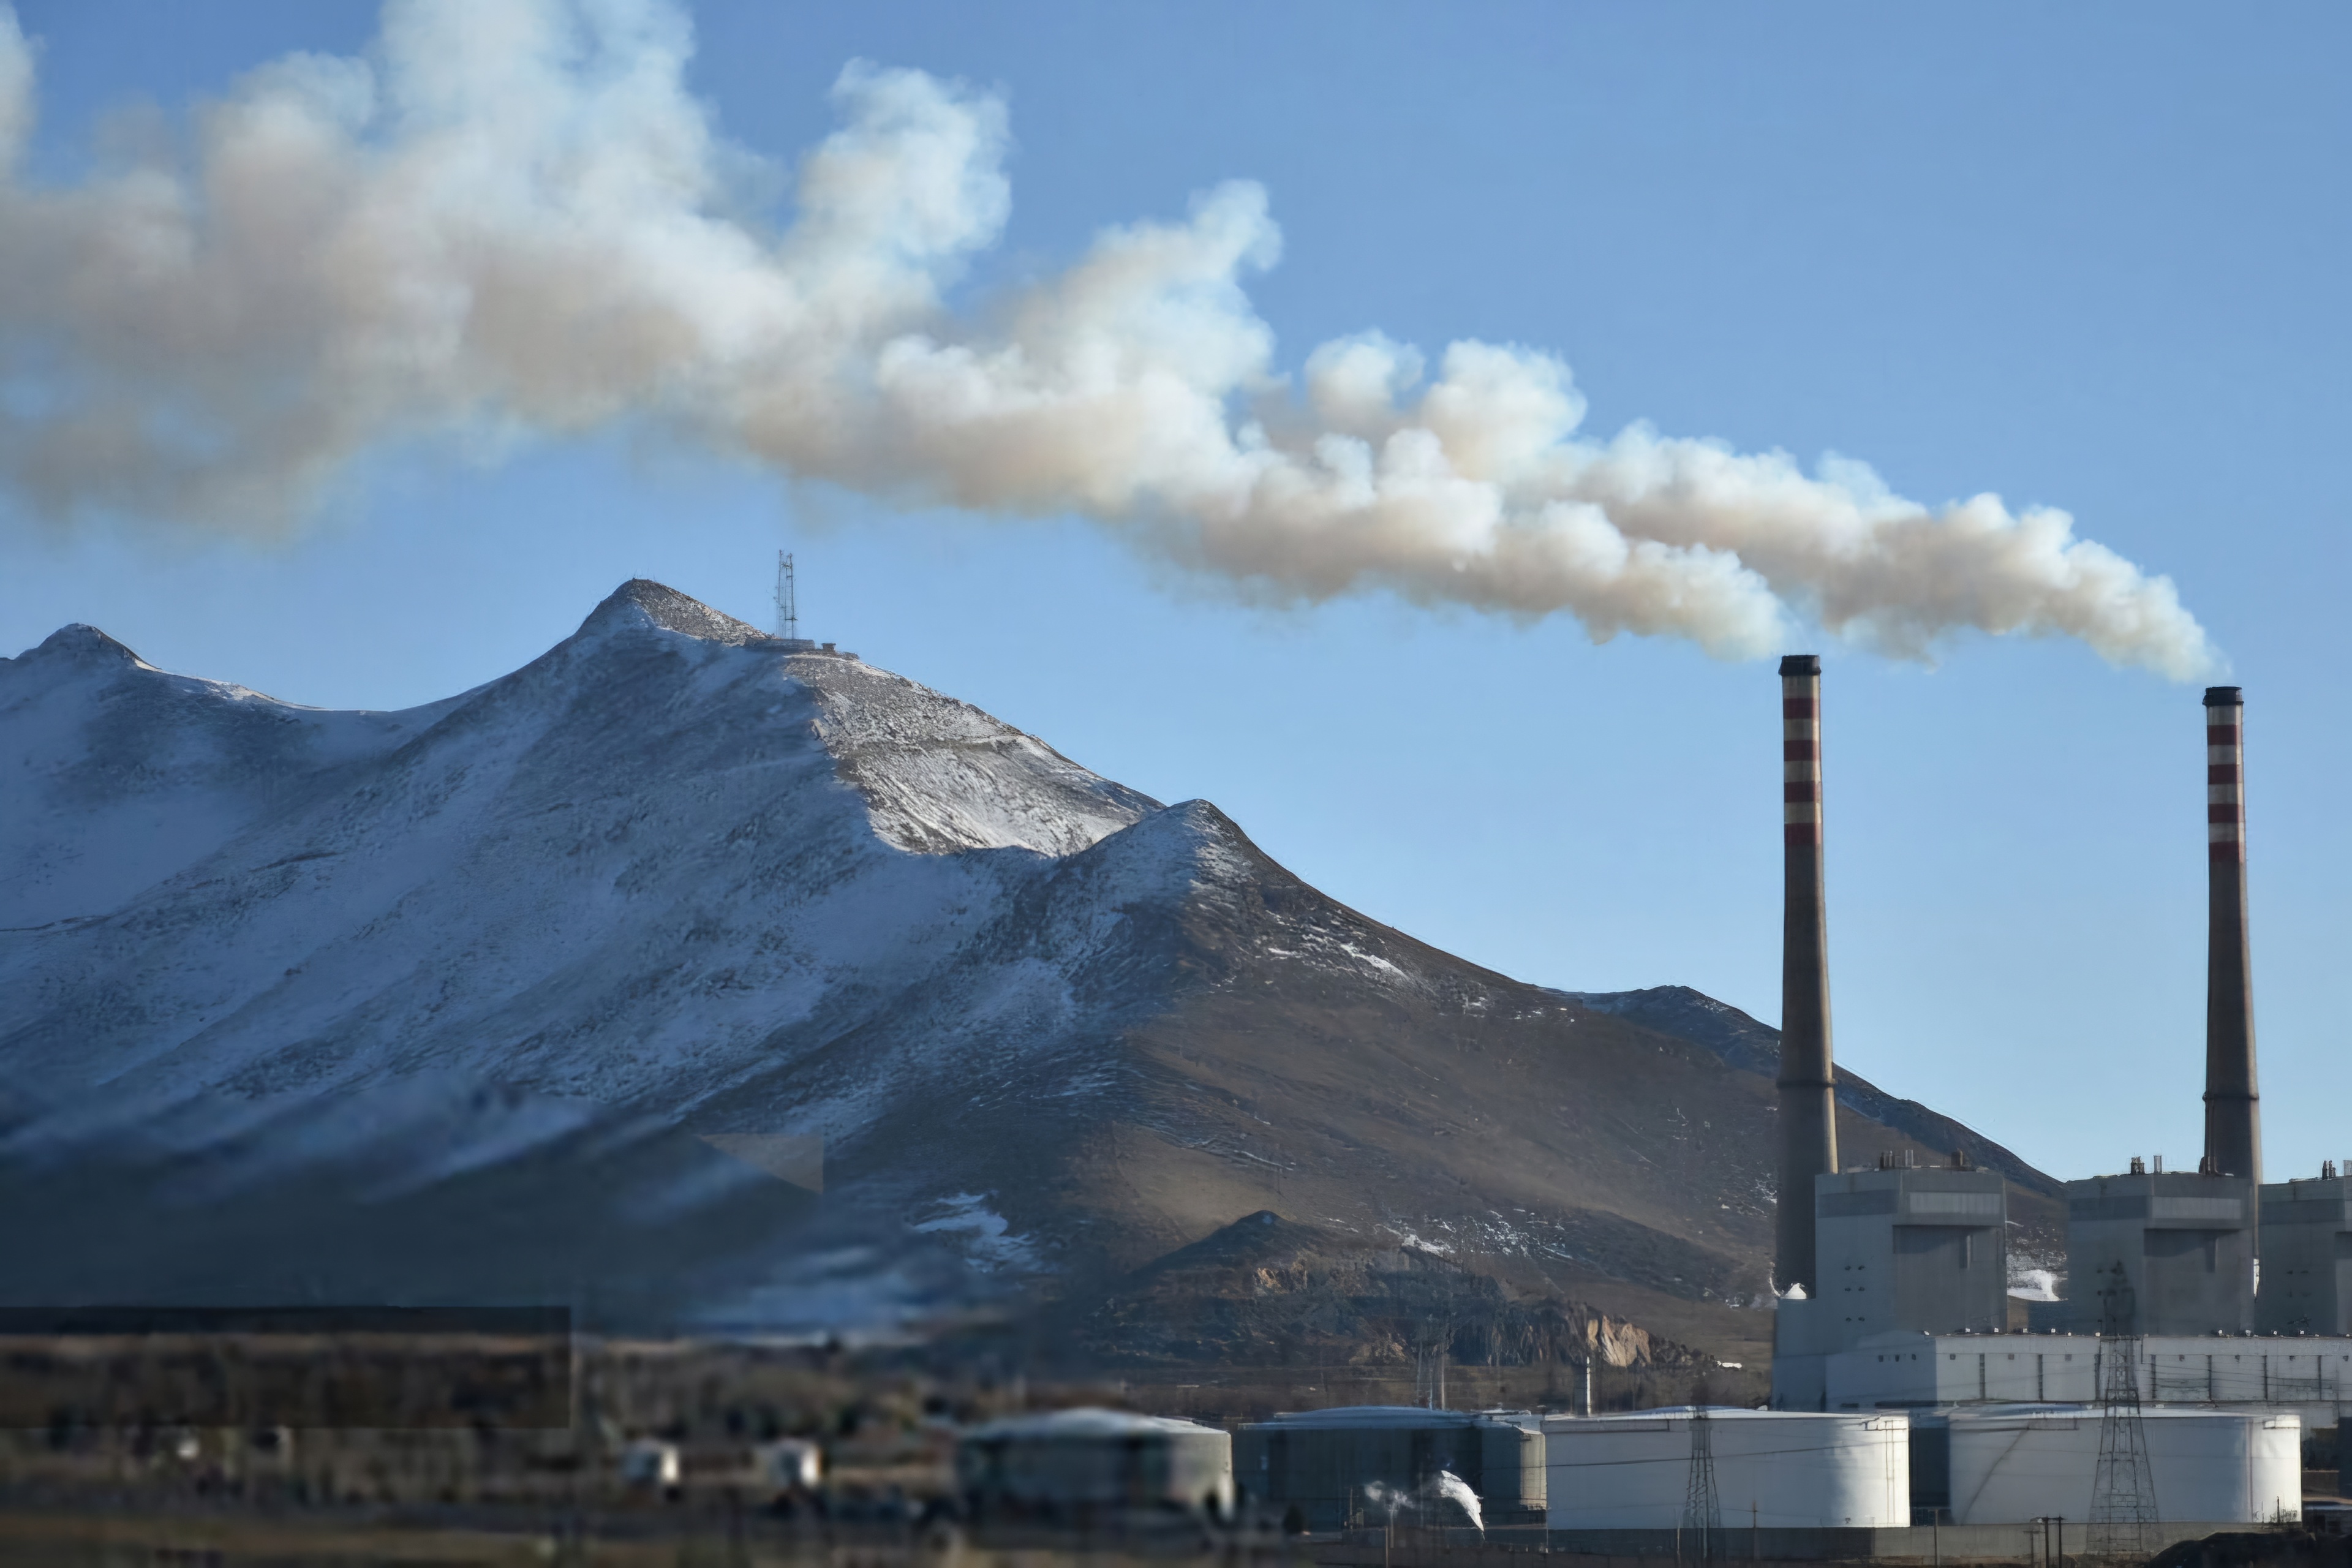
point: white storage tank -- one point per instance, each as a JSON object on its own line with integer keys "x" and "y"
{"x": 1069, "y": 1464}
{"x": 2242, "y": 1467}
{"x": 1777, "y": 1469}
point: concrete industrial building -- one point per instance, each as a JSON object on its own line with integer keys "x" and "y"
{"x": 1902, "y": 1248}
{"x": 1918, "y": 1371}
{"x": 2306, "y": 1238}
{"x": 2179, "y": 1245}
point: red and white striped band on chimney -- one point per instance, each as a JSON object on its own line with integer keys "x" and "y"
{"x": 1800, "y": 752}
{"x": 2225, "y": 804}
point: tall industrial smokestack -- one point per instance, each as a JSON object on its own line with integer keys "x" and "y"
{"x": 2233, "y": 1136}
{"x": 1808, "y": 1091}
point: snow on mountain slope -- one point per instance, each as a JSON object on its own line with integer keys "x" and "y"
{"x": 940, "y": 775}
{"x": 443, "y": 1003}
{"x": 623, "y": 869}
{"x": 120, "y": 775}
{"x": 667, "y": 869}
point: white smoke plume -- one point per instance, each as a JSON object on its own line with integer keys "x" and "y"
{"x": 1452, "y": 1489}
{"x": 513, "y": 219}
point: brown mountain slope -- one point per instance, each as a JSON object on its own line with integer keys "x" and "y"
{"x": 1312, "y": 1062}
{"x": 337, "y": 1001}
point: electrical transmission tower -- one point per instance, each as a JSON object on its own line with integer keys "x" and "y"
{"x": 788, "y": 613}
{"x": 1702, "y": 1511}
{"x": 2122, "y": 1491}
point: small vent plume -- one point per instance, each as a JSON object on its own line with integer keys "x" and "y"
{"x": 513, "y": 218}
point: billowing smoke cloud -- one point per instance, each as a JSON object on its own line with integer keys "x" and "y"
{"x": 513, "y": 219}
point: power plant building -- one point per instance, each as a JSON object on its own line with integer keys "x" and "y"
{"x": 2307, "y": 1240}
{"x": 1901, "y": 1392}
{"x": 1892, "y": 1311}
{"x": 1912, "y": 1247}
{"x": 1907, "y": 1247}
{"x": 1917, "y": 1371}
{"x": 2180, "y": 1245}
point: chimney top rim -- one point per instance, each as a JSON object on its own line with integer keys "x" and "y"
{"x": 1802, "y": 664}
{"x": 2224, "y": 697}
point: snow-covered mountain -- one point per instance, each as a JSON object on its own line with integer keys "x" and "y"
{"x": 642, "y": 864}
{"x": 490, "y": 999}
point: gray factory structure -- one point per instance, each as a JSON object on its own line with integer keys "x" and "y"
{"x": 1894, "y": 1282}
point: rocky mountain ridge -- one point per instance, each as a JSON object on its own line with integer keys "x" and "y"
{"x": 297, "y": 993}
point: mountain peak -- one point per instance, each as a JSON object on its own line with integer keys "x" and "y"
{"x": 642, "y": 602}
{"x": 83, "y": 644}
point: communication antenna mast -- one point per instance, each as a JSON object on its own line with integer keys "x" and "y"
{"x": 788, "y": 614}
{"x": 2123, "y": 1490}
{"x": 1702, "y": 1510}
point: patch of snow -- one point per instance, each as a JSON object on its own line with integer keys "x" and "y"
{"x": 1406, "y": 1236}
{"x": 984, "y": 1235}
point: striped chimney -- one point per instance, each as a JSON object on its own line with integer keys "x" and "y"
{"x": 2234, "y": 1138}
{"x": 1808, "y": 1092}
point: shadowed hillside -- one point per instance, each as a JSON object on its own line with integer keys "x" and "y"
{"x": 671, "y": 882}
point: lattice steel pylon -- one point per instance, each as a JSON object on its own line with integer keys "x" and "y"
{"x": 788, "y": 603}
{"x": 2123, "y": 1490}
{"x": 1702, "y": 1511}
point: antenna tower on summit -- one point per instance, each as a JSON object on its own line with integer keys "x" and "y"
{"x": 788, "y": 614}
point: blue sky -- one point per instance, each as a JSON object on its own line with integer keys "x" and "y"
{"x": 2089, "y": 257}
